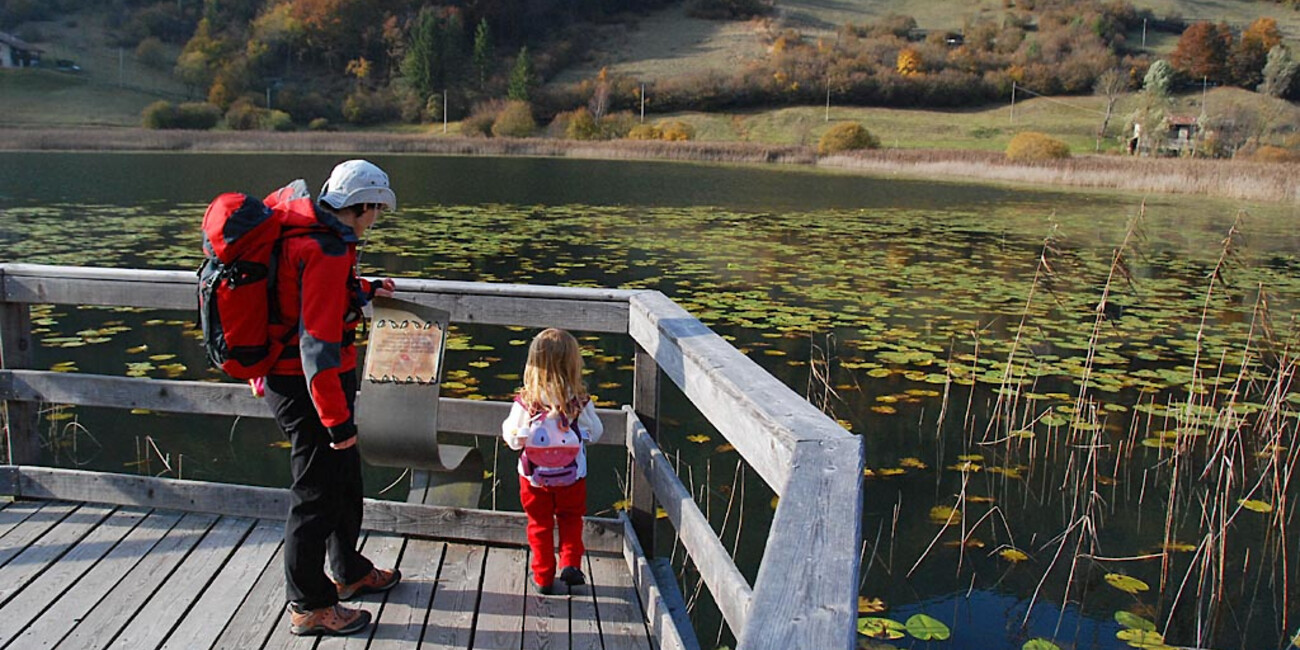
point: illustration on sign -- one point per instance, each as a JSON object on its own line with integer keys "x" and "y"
{"x": 404, "y": 351}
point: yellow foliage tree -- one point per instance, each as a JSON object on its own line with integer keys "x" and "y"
{"x": 1030, "y": 146}
{"x": 909, "y": 62}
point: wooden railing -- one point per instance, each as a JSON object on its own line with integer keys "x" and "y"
{"x": 805, "y": 593}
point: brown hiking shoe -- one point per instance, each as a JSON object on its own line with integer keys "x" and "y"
{"x": 335, "y": 620}
{"x": 374, "y": 582}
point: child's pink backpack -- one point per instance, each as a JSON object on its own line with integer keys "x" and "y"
{"x": 551, "y": 452}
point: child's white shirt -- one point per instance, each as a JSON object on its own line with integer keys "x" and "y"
{"x": 515, "y": 431}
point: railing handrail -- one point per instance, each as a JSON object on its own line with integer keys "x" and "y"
{"x": 806, "y": 588}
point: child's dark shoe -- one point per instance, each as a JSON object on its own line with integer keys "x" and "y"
{"x": 545, "y": 590}
{"x": 572, "y": 576}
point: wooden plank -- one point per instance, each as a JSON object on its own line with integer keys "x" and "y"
{"x": 16, "y": 513}
{"x": 546, "y": 618}
{"x": 24, "y": 534}
{"x": 573, "y": 308}
{"x": 164, "y": 395}
{"x": 455, "y": 415}
{"x": 172, "y": 600}
{"x": 667, "y": 618}
{"x": 100, "y": 626}
{"x": 221, "y": 600}
{"x": 34, "y": 559}
{"x": 645, "y": 407}
{"x": 53, "y": 583}
{"x": 792, "y": 605}
{"x": 501, "y": 606}
{"x": 729, "y": 588}
{"x": 261, "y": 610}
{"x": 754, "y": 411}
{"x": 622, "y": 626}
{"x": 442, "y": 522}
{"x": 584, "y": 622}
{"x": 450, "y": 623}
{"x": 56, "y": 621}
{"x": 23, "y": 440}
{"x": 402, "y": 623}
{"x": 383, "y": 550}
{"x": 126, "y": 489}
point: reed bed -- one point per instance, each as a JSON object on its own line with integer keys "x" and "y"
{"x": 1215, "y": 458}
{"x": 1273, "y": 182}
{"x": 1257, "y": 181}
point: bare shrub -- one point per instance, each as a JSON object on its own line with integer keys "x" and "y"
{"x": 514, "y": 121}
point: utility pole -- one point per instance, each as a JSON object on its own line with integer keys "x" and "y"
{"x": 121, "y": 68}
{"x": 1144, "y": 33}
{"x": 444, "y": 111}
{"x": 642, "y": 102}
{"x": 828, "y": 95}
{"x": 1013, "y": 102}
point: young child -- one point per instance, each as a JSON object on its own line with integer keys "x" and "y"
{"x": 551, "y": 418}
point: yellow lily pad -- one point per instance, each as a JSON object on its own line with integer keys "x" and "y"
{"x": 1126, "y": 584}
{"x": 1013, "y": 555}
{"x": 880, "y": 628}
{"x": 1255, "y": 505}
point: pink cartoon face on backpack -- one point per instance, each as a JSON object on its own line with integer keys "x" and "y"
{"x": 551, "y": 453}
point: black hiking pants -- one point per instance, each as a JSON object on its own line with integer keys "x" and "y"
{"x": 325, "y": 499}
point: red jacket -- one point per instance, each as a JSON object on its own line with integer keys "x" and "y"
{"x": 319, "y": 293}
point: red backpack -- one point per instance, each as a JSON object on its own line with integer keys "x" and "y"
{"x": 237, "y": 296}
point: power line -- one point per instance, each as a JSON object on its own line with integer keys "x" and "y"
{"x": 1020, "y": 88}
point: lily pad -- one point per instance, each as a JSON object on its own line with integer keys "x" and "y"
{"x": 1255, "y": 505}
{"x": 1013, "y": 555}
{"x": 1126, "y": 584}
{"x": 880, "y": 628}
{"x": 1039, "y": 644}
{"x": 1133, "y": 621}
{"x": 927, "y": 628}
{"x": 1145, "y": 639}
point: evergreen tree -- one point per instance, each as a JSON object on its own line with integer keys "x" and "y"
{"x": 482, "y": 52}
{"x": 521, "y": 77}
{"x": 422, "y": 67}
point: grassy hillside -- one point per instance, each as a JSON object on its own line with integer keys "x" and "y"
{"x": 110, "y": 89}
{"x": 669, "y": 42}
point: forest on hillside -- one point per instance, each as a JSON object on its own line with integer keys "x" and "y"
{"x": 384, "y": 61}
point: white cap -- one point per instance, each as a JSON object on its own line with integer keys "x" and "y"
{"x": 357, "y": 181}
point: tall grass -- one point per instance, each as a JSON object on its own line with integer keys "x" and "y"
{"x": 1259, "y": 181}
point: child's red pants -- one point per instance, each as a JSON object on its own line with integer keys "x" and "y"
{"x": 549, "y": 508}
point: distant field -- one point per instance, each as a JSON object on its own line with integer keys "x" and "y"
{"x": 1072, "y": 119}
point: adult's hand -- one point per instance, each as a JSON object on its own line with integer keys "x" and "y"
{"x": 340, "y": 446}
{"x": 386, "y": 288}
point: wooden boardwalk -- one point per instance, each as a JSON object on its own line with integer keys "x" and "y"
{"x": 83, "y": 575}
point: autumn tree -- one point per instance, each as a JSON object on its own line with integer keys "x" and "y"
{"x": 1202, "y": 51}
{"x": 909, "y": 62}
{"x": 1247, "y": 59}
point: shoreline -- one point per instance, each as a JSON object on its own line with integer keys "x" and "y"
{"x": 1268, "y": 182}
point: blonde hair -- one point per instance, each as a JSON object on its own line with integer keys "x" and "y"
{"x": 553, "y": 374}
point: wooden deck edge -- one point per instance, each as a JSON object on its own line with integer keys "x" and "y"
{"x": 438, "y": 522}
{"x": 662, "y": 603}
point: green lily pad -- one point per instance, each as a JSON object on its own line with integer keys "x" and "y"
{"x": 1039, "y": 644}
{"x": 1133, "y": 621}
{"x": 927, "y": 628}
{"x": 880, "y": 628}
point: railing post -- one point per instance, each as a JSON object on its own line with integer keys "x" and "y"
{"x": 645, "y": 403}
{"x": 21, "y": 436}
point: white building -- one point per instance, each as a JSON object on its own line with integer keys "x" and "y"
{"x": 17, "y": 53}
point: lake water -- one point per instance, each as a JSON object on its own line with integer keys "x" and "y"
{"x": 1023, "y": 452}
